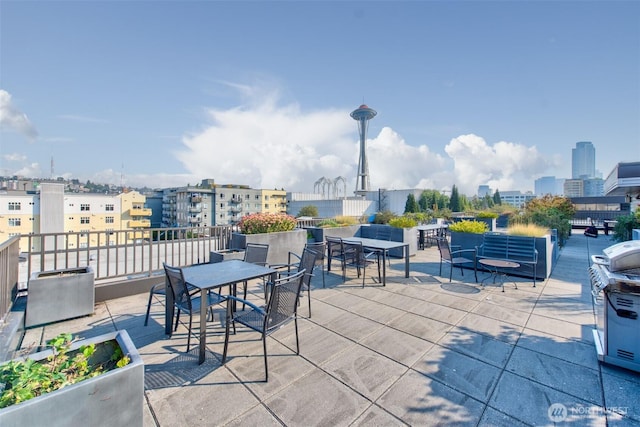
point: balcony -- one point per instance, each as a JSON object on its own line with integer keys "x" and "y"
{"x": 451, "y": 353}
{"x": 140, "y": 212}
{"x": 195, "y": 220}
{"x": 236, "y": 199}
{"x": 235, "y": 209}
{"x": 196, "y": 199}
{"x": 140, "y": 223}
{"x": 195, "y": 209}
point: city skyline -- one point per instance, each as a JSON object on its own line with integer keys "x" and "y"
{"x": 467, "y": 93}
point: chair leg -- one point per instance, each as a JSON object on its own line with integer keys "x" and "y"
{"x": 189, "y": 332}
{"x": 226, "y": 332}
{"x": 450, "y": 273}
{"x": 146, "y": 318}
{"x": 266, "y": 367}
{"x": 244, "y": 295}
{"x": 295, "y": 321}
{"x": 309, "y": 299}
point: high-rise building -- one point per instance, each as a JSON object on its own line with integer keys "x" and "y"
{"x": 548, "y": 185}
{"x": 583, "y": 161}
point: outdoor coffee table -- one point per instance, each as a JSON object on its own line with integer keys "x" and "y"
{"x": 498, "y": 267}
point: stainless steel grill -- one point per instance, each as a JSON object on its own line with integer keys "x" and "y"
{"x": 616, "y": 296}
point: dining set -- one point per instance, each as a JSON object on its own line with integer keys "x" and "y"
{"x": 197, "y": 289}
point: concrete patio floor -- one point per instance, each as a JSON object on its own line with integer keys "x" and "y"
{"x": 420, "y": 351}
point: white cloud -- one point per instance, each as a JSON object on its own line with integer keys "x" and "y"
{"x": 503, "y": 166}
{"x": 14, "y": 157}
{"x": 14, "y": 119}
{"x": 30, "y": 171}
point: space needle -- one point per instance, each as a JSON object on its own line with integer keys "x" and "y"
{"x": 362, "y": 115}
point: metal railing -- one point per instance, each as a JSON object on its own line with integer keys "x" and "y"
{"x": 123, "y": 254}
{"x": 9, "y": 260}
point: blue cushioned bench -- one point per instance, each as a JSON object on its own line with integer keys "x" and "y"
{"x": 520, "y": 249}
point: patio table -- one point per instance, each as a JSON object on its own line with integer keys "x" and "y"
{"x": 383, "y": 246}
{"x": 214, "y": 276}
{"x": 438, "y": 229}
{"x": 497, "y": 268}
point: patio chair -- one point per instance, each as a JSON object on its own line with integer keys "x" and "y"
{"x": 456, "y": 257}
{"x": 320, "y": 248}
{"x": 255, "y": 253}
{"x": 157, "y": 289}
{"x": 281, "y": 308}
{"x": 183, "y": 300}
{"x": 334, "y": 251}
{"x": 307, "y": 262}
{"x": 355, "y": 256}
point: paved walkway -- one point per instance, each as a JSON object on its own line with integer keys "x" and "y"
{"x": 420, "y": 351}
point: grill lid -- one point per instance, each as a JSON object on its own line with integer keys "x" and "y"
{"x": 621, "y": 256}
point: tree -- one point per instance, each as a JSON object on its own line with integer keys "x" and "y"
{"x": 454, "y": 201}
{"x": 411, "y": 206}
{"x": 496, "y": 198}
{"x": 310, "y": 210}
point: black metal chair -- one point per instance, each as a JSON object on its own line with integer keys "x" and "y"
{"x": 334, "y": 251}
{"x": 307, "y": 262}
{"x": 183, "y": 300}
{"x": 281, "y": 308}
{"x": 355, "y": 256}
{"x": 255, "y": 253}
{"x": 455, "y": 258}
{"x": 157, "y": 289}
{"x": 320, "y": 248}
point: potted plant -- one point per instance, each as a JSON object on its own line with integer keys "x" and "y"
{"x": 96, "y": 381}
{"x": 276, "y": 230}
{"x": 57, "y": 295}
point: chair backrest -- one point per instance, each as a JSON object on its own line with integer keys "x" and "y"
{"x": 307, "y": 263}
{"x": 353, "y": 253}
{"x": 256, "y": 253}
{"x": 178, "y": 286}
{"x": 335, "y": 245}
{"x": 445, "y": 250}
{"x": 283, "y": 300}
{"x": 319, "y": 248}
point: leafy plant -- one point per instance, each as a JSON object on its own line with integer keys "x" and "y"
{"x": 25, "y": 379}
{"x": 487, "y": 214}
{"x": 266, "y": 223}
{"x": 383, "y": 217}
{"x": 403, "y": 222}
{"x": 466, "y": 226}
{"x": 309, "y": 210}
{"x": 529, "y": 230}
{"x": 622, "y": 231}
{"x": 339, "y": 221}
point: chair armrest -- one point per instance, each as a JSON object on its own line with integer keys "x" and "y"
{"x": 453, "y": 247}
{"x": 231, "y": 298}
{"x": 464, "y": 251}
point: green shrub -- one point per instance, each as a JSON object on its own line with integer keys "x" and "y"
{"x": 22, "y": 380}
{"x": 402, "y": 222}
{"x": 346, "y": 220}
{"x": 466, "y": 226}
{"x": 487, "y": 214}
{"x": 529, "y": 230}
{"x": 622, "y": 231}
{"x": 383, "y": 217}
{"x": 266, "y": 223}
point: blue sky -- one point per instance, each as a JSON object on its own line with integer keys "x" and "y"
{"x": 166, "y": 93}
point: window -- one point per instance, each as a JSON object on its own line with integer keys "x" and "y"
{"x": 266, "y": 197}
{"x": 14, "y": 222}
{"x": 109, "y": 220}
{"x": 257, "y": 197}
{"x": 84, "y": 206}
{"x": 266, "y": 205}
{"x": 109, "y": 207}
{"x": 14, "y": 206}
{"x": 84, "y": 220}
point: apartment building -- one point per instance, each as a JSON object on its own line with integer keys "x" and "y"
{"x": 209, "y": 204}
{"x": 90, "y": 219}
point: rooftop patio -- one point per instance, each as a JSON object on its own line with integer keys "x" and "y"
{"x": 420, "y": 351}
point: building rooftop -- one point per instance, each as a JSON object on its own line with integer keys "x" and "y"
{"x": 420, "y": 351}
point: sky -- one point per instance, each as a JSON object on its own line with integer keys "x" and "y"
{"x": 168, "y": 93}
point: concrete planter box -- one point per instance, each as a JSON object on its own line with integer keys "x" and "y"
{"x": 220, "y": 256}
{"x": 58, "y": 295}
{"x": 465, "y": 240}
{"x": 280, "y": 244}
{"x": 321, "y": 233}
{"x": 113, "y": 398}
{"x": 406, "y": 235}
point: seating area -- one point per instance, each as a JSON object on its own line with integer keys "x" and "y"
{"x": 421, "y": 350}
{"x": 518, "y": 249}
